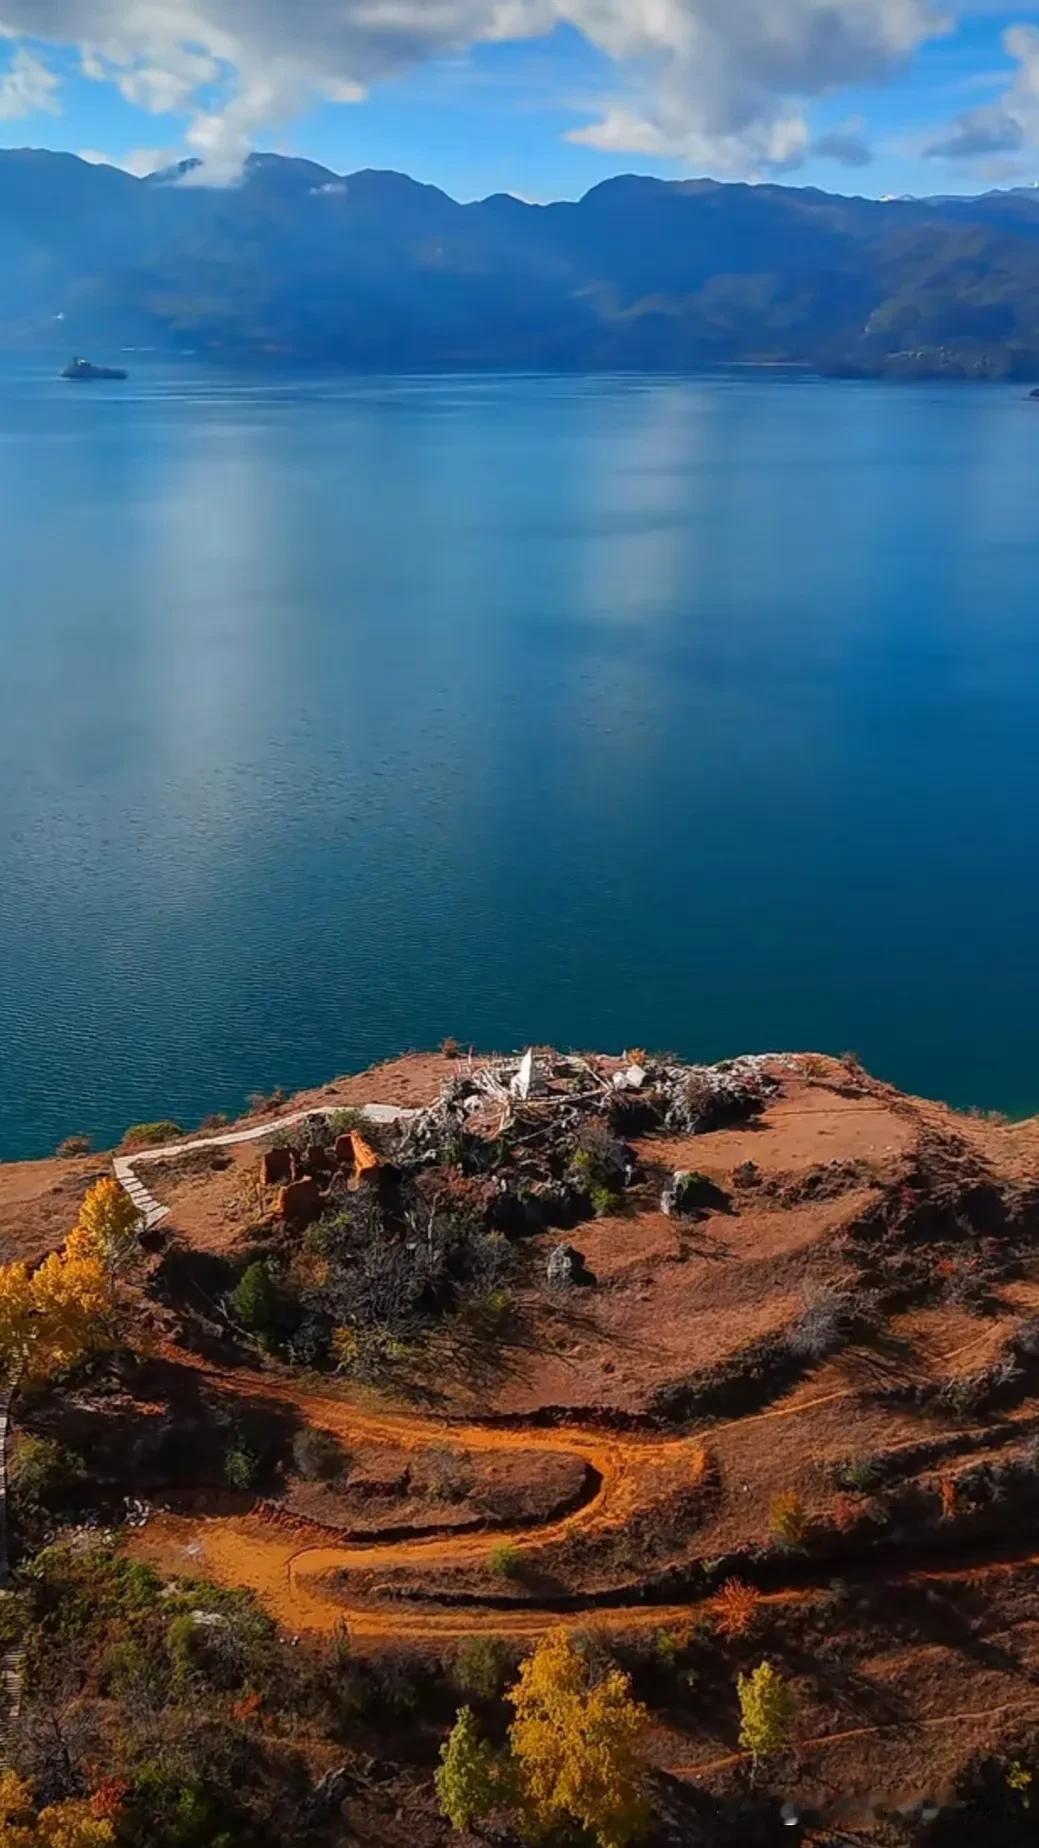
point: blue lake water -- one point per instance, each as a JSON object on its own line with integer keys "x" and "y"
{"x": 337, "y": 715}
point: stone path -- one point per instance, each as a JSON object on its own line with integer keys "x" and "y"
{"x": 152, "y": 1211}
{"x": 12, "y": 1678}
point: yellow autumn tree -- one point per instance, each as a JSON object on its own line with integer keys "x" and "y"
{"x": 77, "y": 1823}
{"x": 19, "y": 1331}
{"x": 52, "y": 1317}
{"x": 72, "y": 1297}
{"x": 578, "y": 1744}
{"x": 110, "y": 1220}
{"x": 768, "y": 1710}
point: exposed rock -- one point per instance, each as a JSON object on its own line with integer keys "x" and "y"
{"x": 687, "y": 1194}
{"x": 343, "y": 1151}
{"x": 332, "y": 1789}
{"x": 632, "y": 1079}
{"x": 706, "y": 1097}
{"x": 276, "y": 1167}
{"x": 300, "y": 1201}
{"x": 566, "y": 1268}
{"x": 524, "y": 1080}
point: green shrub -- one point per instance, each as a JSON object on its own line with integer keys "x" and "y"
{"x": 316, "y": 1455}
{"x": 241, "y": 1466}
{"x": 488, "y": 1313}
{"x": 378, "y": 1136}
{"x": 74, "y": 1145}
{"x": 604, "y": 1201}
{"x": 505, "y": 1561}
{"x": 254, "y": 1298}
{"x": 149, "y": 1135}
{"x": 172, "y": 1807}
{"x": 44, "y": 1470}
{"x": 668, "y": 1646}
{"x": 858, "y": 1474}
{"x": 478, "y": 1667}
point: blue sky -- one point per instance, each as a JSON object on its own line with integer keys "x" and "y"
{"x": 538, "y": 97}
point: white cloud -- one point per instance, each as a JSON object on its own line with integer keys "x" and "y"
{"x": 724, "y": 84}
{"x": 1007, "y": 127}
{"x": 28, "y": 87}
{"x": 138, "y": 161}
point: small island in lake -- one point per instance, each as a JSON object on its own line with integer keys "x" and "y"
{"x": 83, "y": 369}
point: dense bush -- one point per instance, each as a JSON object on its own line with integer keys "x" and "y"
{"x": 43, "y": 1471}
{"x": 241, "y": 1466}
{"x": 254, "y": 1299}
{"x": 316, "y": 1455}
{"x": 788, "y": 1518}
{"x": 478, "y": 1667}
{"x": 150, "y": 1135}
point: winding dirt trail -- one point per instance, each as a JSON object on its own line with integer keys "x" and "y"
{"x": 300, "y": 1571}
{"x": 288, "y": 1563}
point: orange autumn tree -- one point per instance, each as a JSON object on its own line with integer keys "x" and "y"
{"x": 578, "y": 1745}
{"x": 77, "y": 1823}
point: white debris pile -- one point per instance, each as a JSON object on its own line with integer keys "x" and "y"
{"x": 698, "y": 1098}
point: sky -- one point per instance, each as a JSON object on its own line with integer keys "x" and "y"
{"x": 541, "y": 98}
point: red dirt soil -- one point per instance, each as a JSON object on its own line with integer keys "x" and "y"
{"x": 674, "y": 1302}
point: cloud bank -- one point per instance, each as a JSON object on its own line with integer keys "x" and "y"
{"x": 723, "y": 84}
{"x": 27, "y": 87}
{"x": 1006, "y": 127}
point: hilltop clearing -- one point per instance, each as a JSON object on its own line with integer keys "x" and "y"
{"x": 706, "y": 1367}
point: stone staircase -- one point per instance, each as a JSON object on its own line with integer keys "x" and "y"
{"x": 12, "y": 1678}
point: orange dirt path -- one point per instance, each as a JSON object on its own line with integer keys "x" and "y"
{"x": 291, "y": 1568}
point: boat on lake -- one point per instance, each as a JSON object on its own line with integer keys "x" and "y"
{"x": 84, "y": 369}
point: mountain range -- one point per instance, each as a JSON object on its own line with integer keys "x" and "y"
{"x": 375, "y": 271}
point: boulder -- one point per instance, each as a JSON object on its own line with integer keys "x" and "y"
{"x": 686, "y": 1193}
{"x": 631, "y": 1079}
{"x": 343, "y": 1151}
{"x": 275, "y": 1167}
{"x": 300, "y": 1201}
{"x": 566, "y": 1268}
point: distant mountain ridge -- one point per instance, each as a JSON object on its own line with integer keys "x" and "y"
{"x": 373, "y": 270}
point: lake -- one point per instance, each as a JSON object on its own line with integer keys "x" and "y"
{"x": 337, "y": 715}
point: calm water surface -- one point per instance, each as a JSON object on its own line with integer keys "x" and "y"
{"x": 339, "y": 715}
